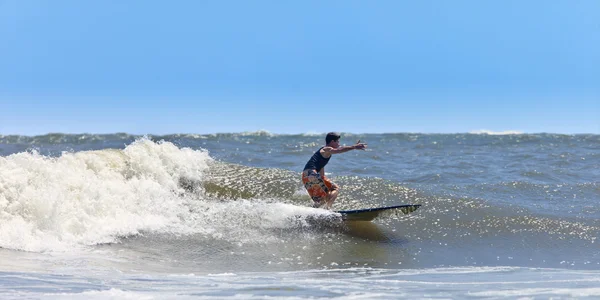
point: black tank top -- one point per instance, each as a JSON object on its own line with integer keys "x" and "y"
{"x": 317, "y": 161}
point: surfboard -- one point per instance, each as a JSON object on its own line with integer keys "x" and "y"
{"x": 368, "y": 214}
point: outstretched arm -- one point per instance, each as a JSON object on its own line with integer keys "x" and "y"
{"x": 343, "y": 149}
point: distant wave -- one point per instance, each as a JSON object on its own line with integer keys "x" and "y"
{"x": 61, "y": 138}
{"x": 312, "y": 133}
{"x": 485, "y": 131}
{"x": 256, "y": 133}
{"x": 126, "y": 138}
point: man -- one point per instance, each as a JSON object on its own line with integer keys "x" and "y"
{"x": 322, "y": 191}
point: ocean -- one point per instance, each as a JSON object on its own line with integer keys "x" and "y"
{"x": 225, "y": 216}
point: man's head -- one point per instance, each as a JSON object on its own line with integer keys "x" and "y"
{"x": 332, "y": 136}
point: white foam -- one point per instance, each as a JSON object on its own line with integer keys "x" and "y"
{"x": 489, "y": 132}
{"x": 571, "y": 292}
{"x": 351, "y": 283}
{"x": 261, "y": 132}
{"x": 313, "y": 133}
{"x": 112, "y": 293}
{"x": 248, "y": 221}
{"x": 93, "y": 197}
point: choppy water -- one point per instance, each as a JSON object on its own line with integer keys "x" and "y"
{"x": 225, "y": 216}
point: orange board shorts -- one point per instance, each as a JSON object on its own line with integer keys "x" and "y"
{"x": 317, "y": 186}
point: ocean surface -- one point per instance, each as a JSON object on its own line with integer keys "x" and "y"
{"x": 224, "y": 216}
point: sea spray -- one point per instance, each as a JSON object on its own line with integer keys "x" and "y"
{"x": 92, "y": 197}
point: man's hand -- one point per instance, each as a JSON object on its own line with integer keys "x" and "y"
{"x": 360, "y": 146}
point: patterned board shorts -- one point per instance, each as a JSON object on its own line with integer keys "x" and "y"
{"x": 316, "y": 185}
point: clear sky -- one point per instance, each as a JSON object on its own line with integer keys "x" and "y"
{"x": 160, "y": 67}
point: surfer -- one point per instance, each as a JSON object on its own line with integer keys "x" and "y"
{"x": 322, "y": 191}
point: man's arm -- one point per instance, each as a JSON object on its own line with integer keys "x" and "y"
{"x": 343, "y": 149}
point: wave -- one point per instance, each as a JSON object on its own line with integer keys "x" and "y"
{"x": 85, "y": 138}
{"x": 93, "y": 197}
{"x": 96, "y": 197}
{"x": 489, "y": 132}
{"x": 64, "y": 138}
{"x": 126, "y": 138}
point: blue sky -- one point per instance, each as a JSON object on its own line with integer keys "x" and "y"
{"x": 162, "y": 67}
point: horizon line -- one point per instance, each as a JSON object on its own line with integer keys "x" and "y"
{"x": 266, "y": 132}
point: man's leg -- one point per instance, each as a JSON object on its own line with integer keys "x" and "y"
{"x": 331, "y": 198}
{"x": 316, "y": 188}
{"x": 332, "y": 192}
